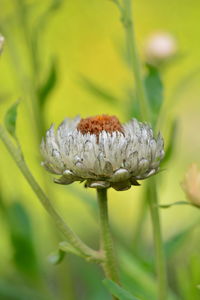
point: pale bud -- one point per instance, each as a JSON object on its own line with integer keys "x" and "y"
{"x": 160, "y": 47}
{"x": 2, "y": 40}
{"x": 191, "y": 185}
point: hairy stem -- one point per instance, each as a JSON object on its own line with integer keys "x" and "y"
{"x": 159, "y": 250}
{"x": 109, "y": 265}
{"x": 74, "y": 240}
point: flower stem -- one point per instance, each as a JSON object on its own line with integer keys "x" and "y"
{"x": 159, "y": 250}
{"x": 74, "y": 240}
{"x": 127, "y": 20}
{"x": 109, "y": 265}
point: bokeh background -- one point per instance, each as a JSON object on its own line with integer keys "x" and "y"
{"x": 83, "y": 43}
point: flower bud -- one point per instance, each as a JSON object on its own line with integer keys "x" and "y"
{"x": 2, "y": 40}
{"x": 191, "y": 185}
{"x": 160, "y": 47}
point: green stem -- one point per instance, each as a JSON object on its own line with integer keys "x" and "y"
{"x": 140, "y": 221}
{"x": 75, "y": 241}
{"x": 106, "y": 239}
{"x": 159, "y": 249}
{"x": 127, "y": 20}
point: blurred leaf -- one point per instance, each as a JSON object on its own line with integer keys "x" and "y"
{"x": 118, "y": 291}
{"x": 98, "y": 91}
{"x": 174, "y": 204}
{"x": 183, "y": 85}
{"x": 47, "y": 87}
{"x": 22, "y": 240}
{"x": 172, "y": 142}
{"x": 56, "y": 257}
{"x": 85, "y": 197}
{"x": 188, "y": 277}
{"x": 138, "y": 277}
{"x": 11, "y": 118}
{"x": 154, "y": 89}
{"x": 176, "y": 242}
{"x": 133, "y": 106}
{"x": 56, "y": 4}
{"x": 10, "y": 291}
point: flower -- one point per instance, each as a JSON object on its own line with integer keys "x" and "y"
{"x": 2, "y": 40}
{"x": 160, "y": 47}
{"x": 191, "y": 185}
{"x": 102, "y": 152}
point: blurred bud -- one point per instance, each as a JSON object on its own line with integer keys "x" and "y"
{"x": 2, "y": 39}
{"x": 191, "y": 185}
{"x": 160, "y": 47}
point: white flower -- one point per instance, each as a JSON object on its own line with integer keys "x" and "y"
{"x": 191, "y": 185}
{"x": 102, "y": 152}
{"x": 160, "y": 47}
{"x": 2, "y": 40}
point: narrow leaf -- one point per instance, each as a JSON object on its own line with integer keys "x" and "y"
{"x": 11, "y": 118}
{"x": 57, "y": 257}
{"x": 98, "y": 91}
{"x": 48, "y": 85}
{"x": 172, "y": 142}
{"x": 177, "y": 240}
{"x": 154, "y": 89}
{"x": 22, "y": 240}
{"x": 174, "y": 203}
{"x": 118, "y": 291}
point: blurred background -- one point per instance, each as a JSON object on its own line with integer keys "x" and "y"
{"x": 68, "y": 58}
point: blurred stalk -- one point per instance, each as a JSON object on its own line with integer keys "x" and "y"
{"x": 34, "y": 67}
{"x": 73, "y": 239}
{"x": 109, "y": 265}
{"x": 127, "y": 21}
{"x": 158, "y": 243}
{"x": 140, "y": 220}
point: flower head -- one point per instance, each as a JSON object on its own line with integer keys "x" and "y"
{"x": 160, "y": 47}
{"x": 102, "y": 152}
{"x": 2, "y": 40}
{"x": 191, "y": 185}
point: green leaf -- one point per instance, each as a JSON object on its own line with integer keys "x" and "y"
{"x": 10, "y": 290}
{"x": 48, "y": 85}
{"x": 133, "y": 106}
{"x": 172, "y": 142}
{"x": 21, "y": 236}
{"x": 118, "y": 291}
{"x": 174, "y": 204}
{"x": 11, "y": 118}
{"x": 56, "y": 257}
{"x": 56, "y": 4}
{"x": 64, "y": 247}
{"x": 154, "y": 89}
{"x": 176, "y": 241}
{"x": 98, "y": 91}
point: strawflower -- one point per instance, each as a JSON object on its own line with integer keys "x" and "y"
{"x": 102, "y": 152}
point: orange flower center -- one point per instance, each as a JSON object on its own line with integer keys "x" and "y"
{"x": 95, "y": 125}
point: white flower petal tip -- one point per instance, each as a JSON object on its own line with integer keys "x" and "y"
{"x": 120, "y": 175}
{"x": 105, "y": 155}
{"x": 97, "y": 184}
